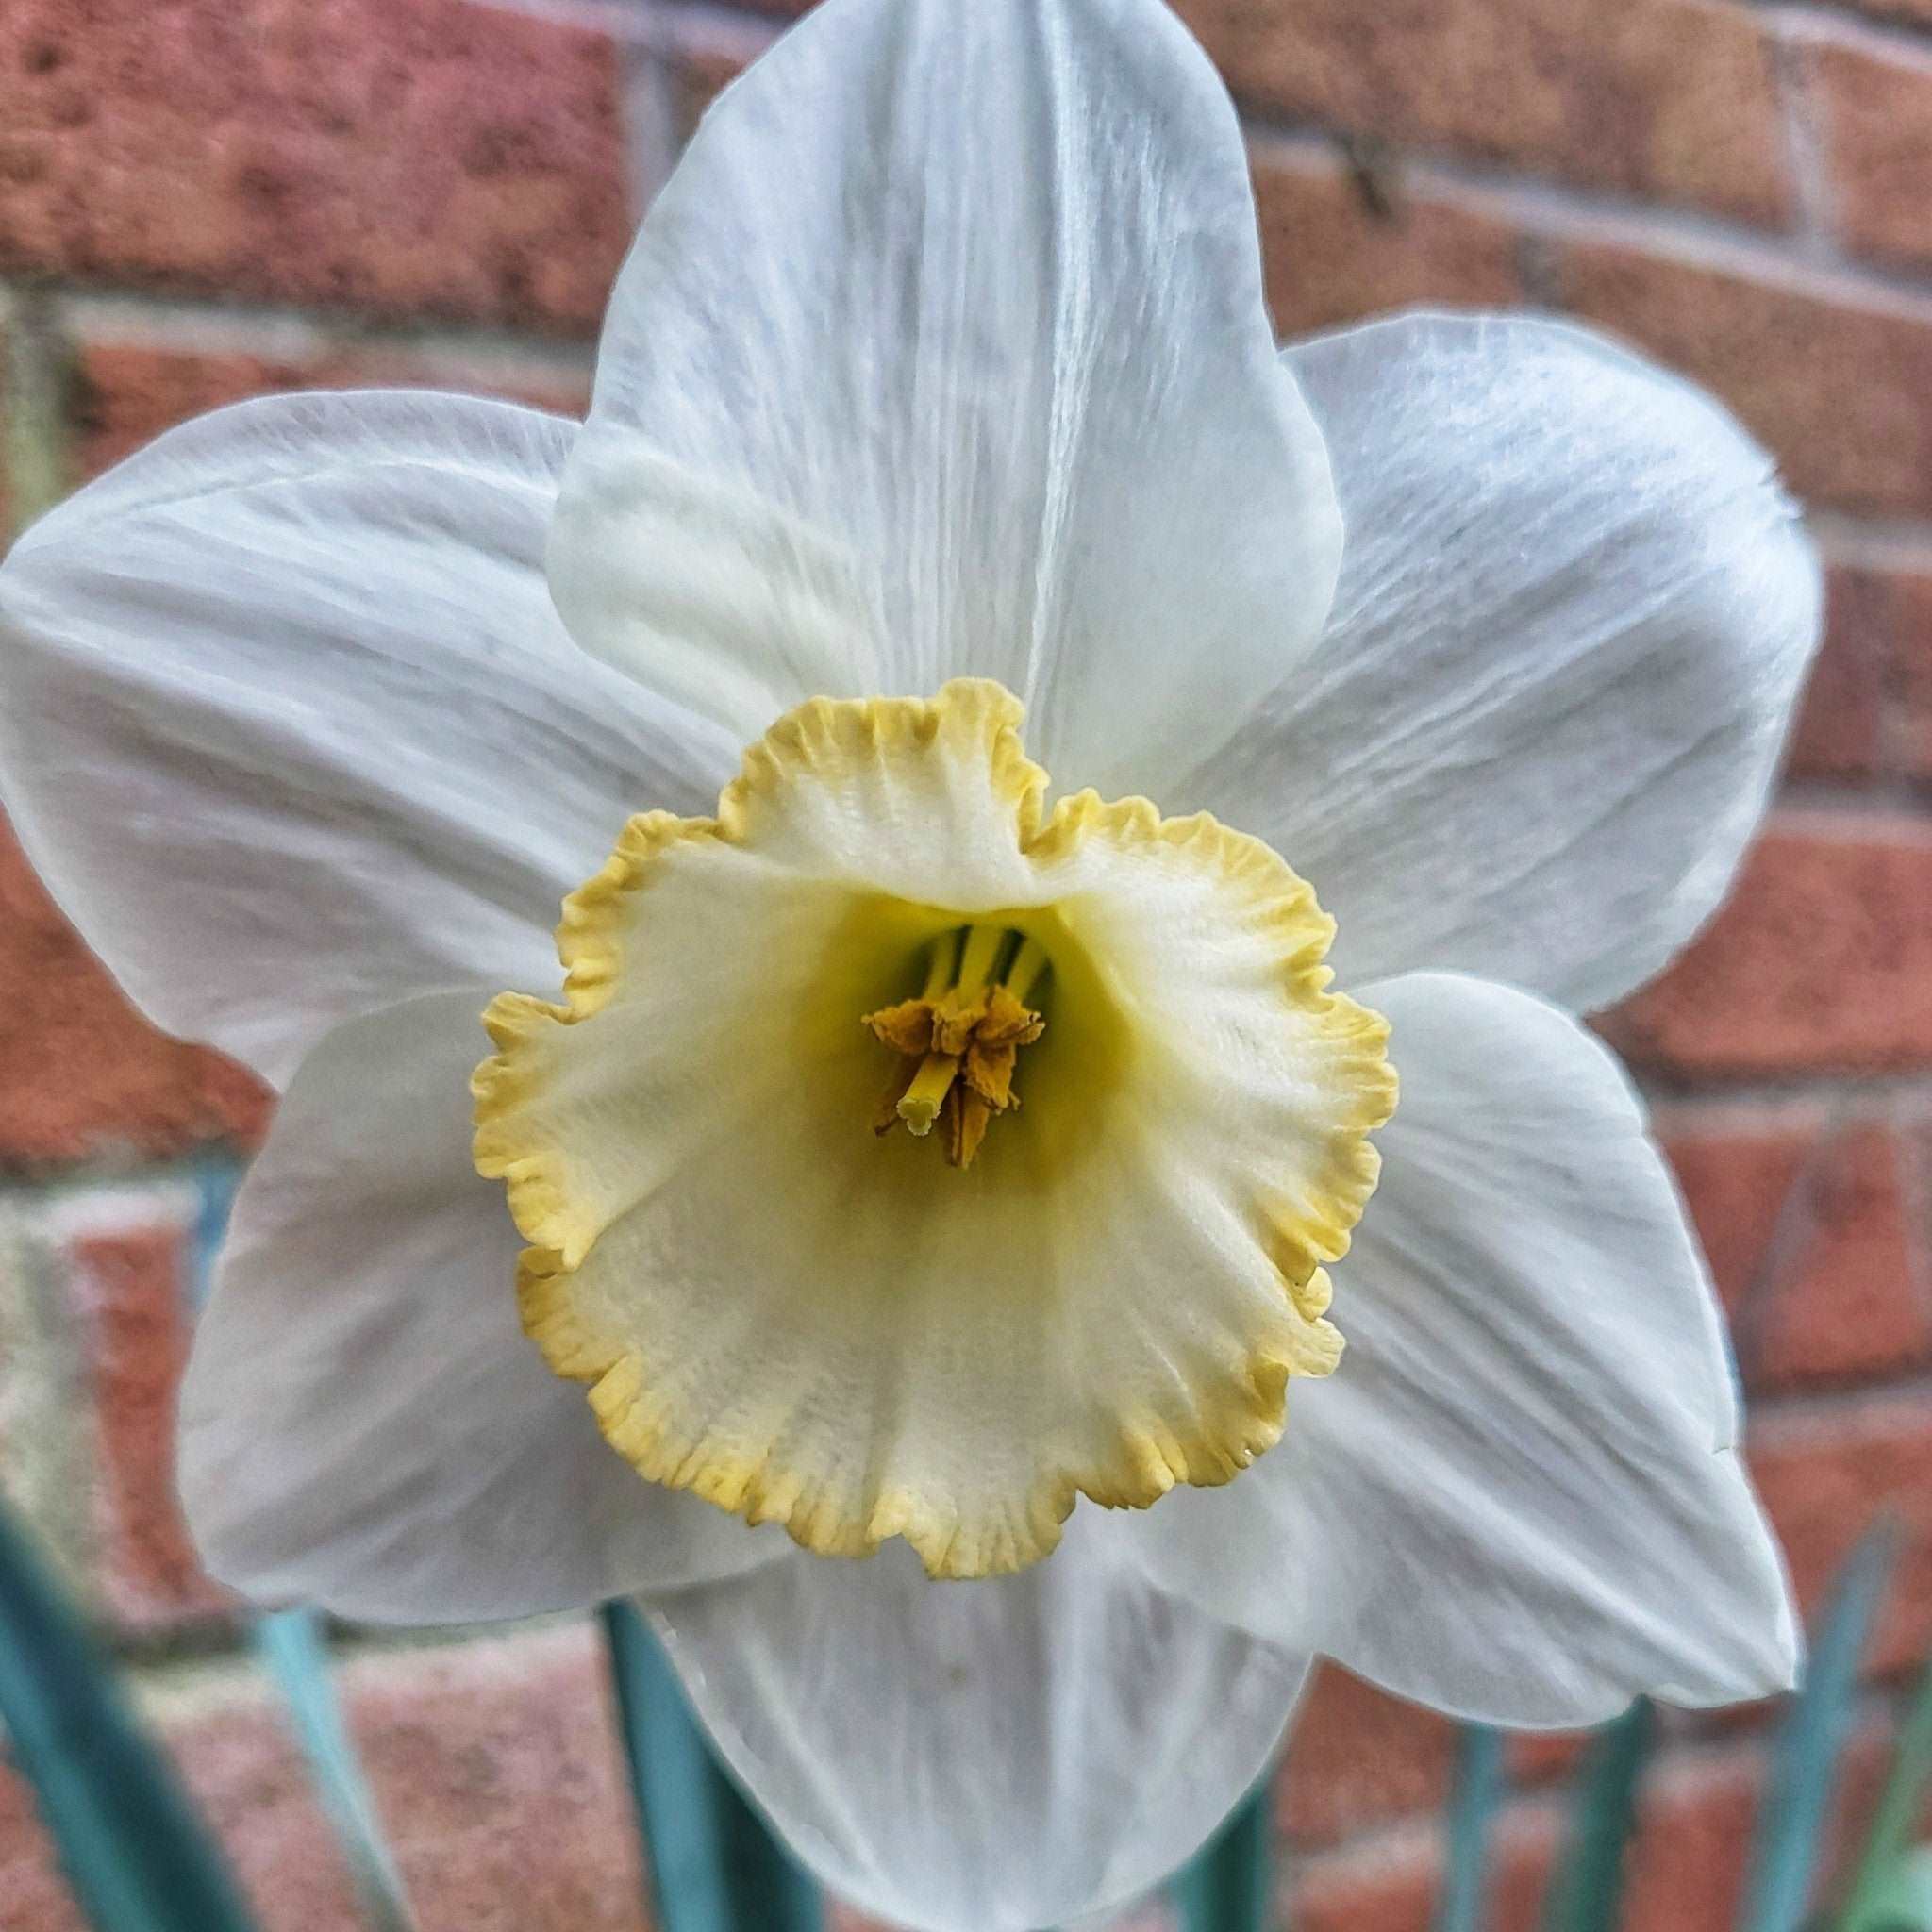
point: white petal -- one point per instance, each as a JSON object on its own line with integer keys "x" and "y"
{"x": 1575, "y": 611}
{"x": 944, "y": 353}
{"x": 981, "y": 1757}
{"x": 363, "y": 1422}
{"x": 291, "y": 728}
{"x": 1515, "y": 1499}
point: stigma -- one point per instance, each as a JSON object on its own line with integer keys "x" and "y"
{"x": 958, "y": 1042}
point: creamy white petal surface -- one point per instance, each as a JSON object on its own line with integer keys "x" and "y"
{"x": 1516, "y": 1501}
{"x": 1574, "y": 612}
{"x": 364, "y": 1423}
{"x": 944, "y": 353}
{"x": 292, "y": 727}
{"x": 984, "y": 1756}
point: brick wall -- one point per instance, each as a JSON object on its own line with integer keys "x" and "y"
{"x": 202, "y": 199}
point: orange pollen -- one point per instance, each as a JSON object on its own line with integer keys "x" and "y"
{"x": 959, "y": 1041}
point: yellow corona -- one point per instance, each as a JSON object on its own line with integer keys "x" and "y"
{"x": 788, "y": 1306}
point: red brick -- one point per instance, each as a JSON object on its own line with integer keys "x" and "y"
{"x": 82, "y": 1075}
{"x": 497, "y": 1768}
{"x": 1874, "y": 104}
{"x": 36, "y": 1895}
{"x": 1850, "y": 1300}
{"x": 1698, "y": 1811}
{"x": 1336, "y": 252}
{"x": 1685, "y": 1867}
{"x": 1810, "y": 1244}
{"x": 129, "y": 1289}
{"x": 1839, "y": 727}
{"x": 1906, "y": 615}
{"x": 1667, "y": 98}
{"x": 1359, "y": 1758}
{"x": 1389, "y": 1882}
{"x": 1820, "y": 960}
{"x": 1862, "y": 1768}
{"x": 1737, "y": 1174}
{"x": 1538, "y": 1758}
{"x": 1869, "y": 711}
{"x": 251, "y": 1789}
{"x": 700, "y": 75}
{"x": 1836, "y": 378}
{"x": 244, "y": 1773}
{"x": 405, "y": 156}
{"x": 1686, "y": 1864}
{"x": 126, "y": 391}
{"x": 1827, "y": 1472}
{"x": 494, "y": 1765}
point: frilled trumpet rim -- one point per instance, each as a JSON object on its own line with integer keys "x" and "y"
{"x": 806, "y": 1323}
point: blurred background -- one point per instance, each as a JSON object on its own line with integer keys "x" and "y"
{"x": 205, "y": 199}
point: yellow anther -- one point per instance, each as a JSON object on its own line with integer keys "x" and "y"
{"x": 958, "y": 1041}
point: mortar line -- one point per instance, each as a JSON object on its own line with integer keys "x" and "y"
{"x": 1892, "y": 35}
{"x": 1805, "y": 123}
{"x": 1565, "y": 208}
{"x": 1909, "y": 1386}
{"x": 1680, "y": 1100}
{"x": 307, "y": 329}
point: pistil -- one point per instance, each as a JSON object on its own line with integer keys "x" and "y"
{"x": 918, "y": 1106}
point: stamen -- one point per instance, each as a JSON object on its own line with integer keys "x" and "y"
{"x": 983, "y": 944}
{"x": 1029, "y": 963}
{"x": 959, "y": 1040}
{"x": 942, "y": 969}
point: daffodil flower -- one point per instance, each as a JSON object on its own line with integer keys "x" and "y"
{"x": 939, "y": 429}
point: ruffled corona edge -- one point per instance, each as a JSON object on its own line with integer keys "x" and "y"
{"x": 1205, "y": 1435}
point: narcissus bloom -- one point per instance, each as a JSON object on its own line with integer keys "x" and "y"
{"x": 917, "y": 1149}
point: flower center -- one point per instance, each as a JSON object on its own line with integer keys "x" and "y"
{"x": 777, "y": 1312}
{"x": 959, "y": 1040}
